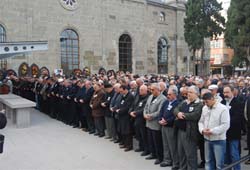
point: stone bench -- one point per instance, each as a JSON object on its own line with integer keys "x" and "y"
{"x": 17, "y": 109}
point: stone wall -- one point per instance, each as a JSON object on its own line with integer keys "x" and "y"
{"x": 99, "y": 24}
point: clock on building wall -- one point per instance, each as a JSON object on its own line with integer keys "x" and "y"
{"x": 69, "y": 4}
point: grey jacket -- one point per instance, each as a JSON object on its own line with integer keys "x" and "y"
{"x": 153, "y": 109}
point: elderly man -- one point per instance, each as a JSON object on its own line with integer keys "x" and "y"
{"x": 151, "y": 113}
{"x": 86, "y": 109}
{"x": 97, "y": 109}
{"x": 188, "y": 114}
{"x": 136, "y": 112}
{"x": 213, "y": 125}
{"x": 166, "y": 120}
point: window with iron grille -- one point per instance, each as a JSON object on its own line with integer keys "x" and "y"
{"x": 162, "y": 56}
{"x": 125, "y": 53}
{"x": 3, "y": 62}
{"x": 69, "y": 41}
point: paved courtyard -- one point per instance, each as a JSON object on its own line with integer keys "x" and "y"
{"x": 51, "y": 145}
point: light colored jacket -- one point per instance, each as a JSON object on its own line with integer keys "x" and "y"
{"x": 153, "y": 109}
{"x": 217, "y": 119}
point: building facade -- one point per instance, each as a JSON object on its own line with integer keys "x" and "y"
{"x": 141, "y": 36}
{"x": 221, "y": 55}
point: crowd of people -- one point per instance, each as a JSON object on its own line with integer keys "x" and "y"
{"x": 169, "y": 116}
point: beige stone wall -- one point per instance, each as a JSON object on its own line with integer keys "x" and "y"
{"x": 99, "y": 24}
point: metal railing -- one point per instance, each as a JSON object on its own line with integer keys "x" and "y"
{"x": 244, "y": 158}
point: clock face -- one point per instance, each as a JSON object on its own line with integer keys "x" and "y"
{"x": 69, "y": 4}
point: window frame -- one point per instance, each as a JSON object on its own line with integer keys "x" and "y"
{"x": 125, "y": 48}
{"x": 162, "y": 61}
{"x": 70, "y": 58}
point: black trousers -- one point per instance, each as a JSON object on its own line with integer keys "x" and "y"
{"x": 155, "y": 143}
{"x": 100, "y": 125}
{"x": 90, "y": 121}
{"x": 141, "y": 135}
{"x": 201, "y": 147}
{"x": 248, "y": 139}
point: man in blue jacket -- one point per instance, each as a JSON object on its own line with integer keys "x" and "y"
{"x": 169, "y": 137}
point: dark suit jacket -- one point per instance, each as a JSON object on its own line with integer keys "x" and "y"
{"x": 236, "y": 114}
{"x": 124, "y": 125}
{"x": 167, "y": 112}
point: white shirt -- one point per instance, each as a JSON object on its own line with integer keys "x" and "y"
{"x": 217, "y": 119}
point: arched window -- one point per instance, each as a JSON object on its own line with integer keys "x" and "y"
{"x": 69, "y": 51}
{"x": 125, "y": 53}
{"x": 2, "y": 34}
{"x": 162, "y": 16}
{"x": 162, "y": 56}
{"x": 3, "y": 62}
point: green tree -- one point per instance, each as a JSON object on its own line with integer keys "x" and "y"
{"x": 203, "y": 20}
{"x": 237, "y": 34}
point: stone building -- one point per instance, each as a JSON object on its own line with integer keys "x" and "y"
{"x": 142, "y": 36}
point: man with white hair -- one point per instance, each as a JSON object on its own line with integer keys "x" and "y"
{"x": 151, "y": 113}
{"x": 188, "y": 113}
{"x": 163, "y": 88}
{"x": 169, "y": 137}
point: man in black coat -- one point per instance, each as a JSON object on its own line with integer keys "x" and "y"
{"x": 79, "y": 95}
{"x": 115, "y": 101}
{"x": 109, "y": 119}
{"x": 234, "y": 132}
{"x": 86, "y": 109}
{"x": 136, "y": 112}
{"x": 124, "y": 124}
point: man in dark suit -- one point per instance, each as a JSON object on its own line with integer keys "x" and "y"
{"x": 86, "y": 109}
{"x": 136, "y": 112}
{"x": 234, "y": 132}
{"x": 109, "y": 119}
{"x": 112, "y": 107}
{"x": 124, "y": 124}
{"x": 169, "y": 135}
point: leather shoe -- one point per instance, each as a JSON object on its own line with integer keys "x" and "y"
{"x": 107, "y": 137}
{"x": 128, "y": 149}
{"x": 157, "y": 161}
{"x": 247, "y": 162}
{"x": 150, "y": 157}
{"x": 91, "y": 132}
{"x": 121, "y": 143}
{"x": 122, "y": 146}
{"x": 138, "y": 150}
{"x": 101, "y": 135}
{"x": 145, "y": 153}
{"x": 201, "y": 165}
{"x": 96, "y": 134}
{"x": 116, "y": 141}
{"x": 164, "y": 164}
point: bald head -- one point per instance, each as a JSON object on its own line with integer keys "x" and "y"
{"x": 162, "y": 86}
{"x": 139, "y": 82}
{"x": 143, "y": 90}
